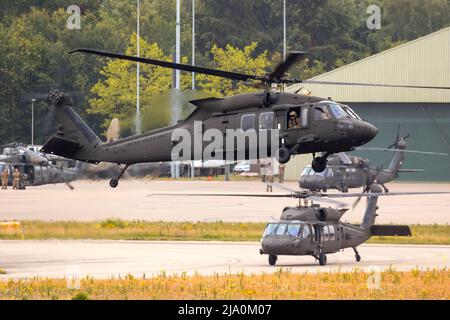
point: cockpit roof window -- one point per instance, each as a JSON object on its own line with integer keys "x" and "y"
{"x": 352, "y": 113}
{"x": 338, "y": 112}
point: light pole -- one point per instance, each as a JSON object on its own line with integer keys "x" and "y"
{"x": 32, "y": 121}
{"x": 193, "y": 43}
{"x": 138, "y": 109}
{"x": 284, "y": 29}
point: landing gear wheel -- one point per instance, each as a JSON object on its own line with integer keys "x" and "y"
{"x": 322, "y": 259}
{"x": 319, "y": 164}
{"x": 357, "y": 256}
{"x": 272, "y": 259}
{"x": 283, "y": 155}
{"x": 113, "y": 183}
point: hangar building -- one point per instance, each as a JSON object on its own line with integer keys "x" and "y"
{"x": 422, "y": 113}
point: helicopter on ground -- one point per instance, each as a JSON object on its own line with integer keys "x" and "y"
{"x": 319, "y": 125}
{"x": 37, "y": 169}
{"x": 347, "y": 172}
{"x": 314, "y": 230}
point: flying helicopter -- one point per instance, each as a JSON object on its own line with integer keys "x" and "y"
{"x": 347, "y": 172}
{"x": 36, "y": 169}
{"x": 313, "y": 230}
{"x": 320, "y": 125}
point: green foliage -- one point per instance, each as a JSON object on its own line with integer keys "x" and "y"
{"x": 34, "y": 42}
{"x": 81, "y": 296}
{"x": 233, "y": 59}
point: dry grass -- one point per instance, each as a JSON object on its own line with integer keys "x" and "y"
{"x": 414, "y": 284}
{"x": 144, "y": 230}
{"x": 138, "y": 230}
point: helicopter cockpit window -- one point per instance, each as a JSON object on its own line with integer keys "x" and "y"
{"x": 307, "y": 171}
{"x": 270, "y": 229}
{"x": 351, "y": 113}
{"x": 325, "y": 234}
{"x": 332, "y": 233}
{"x": 337, "y": 110}
{"x": 293, "y": 118}
{"x": 321, "y": 113}
{"x": 293, "y": 229}
{"x": 329, "y": 173}
{"x": 266, "y": 121}
{"x": 281, "y": 229}
{"x": 248, "y": 122}
{"x": 304, "y": 117}
{"x": 306, "y": 232}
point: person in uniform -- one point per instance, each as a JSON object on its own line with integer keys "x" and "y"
{"x": 5, "y": 176}
{"x": 294, "y": 120}
{"x": 16, "y": 179}
{"x": 281, "y": 173}
{"x": 269, "y": 182}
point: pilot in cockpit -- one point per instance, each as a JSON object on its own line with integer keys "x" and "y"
{"x": 294, "y": 120}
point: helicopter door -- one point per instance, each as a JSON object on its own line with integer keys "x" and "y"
{"x": 265, "y": 125}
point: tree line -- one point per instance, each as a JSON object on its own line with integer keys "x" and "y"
{"x": 237, "y": 35}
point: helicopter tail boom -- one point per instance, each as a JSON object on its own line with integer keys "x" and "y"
{"x": 73, "y": 139}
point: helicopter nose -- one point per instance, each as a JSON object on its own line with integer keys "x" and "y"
{"x": 372, "y": 131}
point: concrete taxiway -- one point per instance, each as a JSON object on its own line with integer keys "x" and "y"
{"x": 92, "y": 200}
{"x": 104, "y": 259}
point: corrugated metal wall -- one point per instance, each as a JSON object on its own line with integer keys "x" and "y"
{"x": 295, "y": 166}
{"x": 423, "y": 62}
{"x": 429, "y": 127}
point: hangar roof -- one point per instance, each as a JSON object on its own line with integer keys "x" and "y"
{"x": 424, "y": 61}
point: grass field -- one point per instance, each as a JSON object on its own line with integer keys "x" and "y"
{"x": 390, "y": 284}
{"x": 143, "y": 230}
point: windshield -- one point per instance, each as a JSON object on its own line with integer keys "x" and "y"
{"x": 293, "y": 229}
{"x": 270, "y": 229}
{"x": 351, "y": 113}
{"x": 338, "y": 112}
{"x": 307, "y": 171}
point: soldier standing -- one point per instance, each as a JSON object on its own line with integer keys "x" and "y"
{"x": 281, "y": 173}
{"x": 16, "y": 179}
{"x": 269, "y": 182}
{"x": 5, "y": 176}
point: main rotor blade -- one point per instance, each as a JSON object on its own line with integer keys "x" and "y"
{"x": 370, "y": 84}
{"x": 292, "y": 58}
{"x": 280, "y": 186}
{"x": 369, "y": 195}
{"x": 173, "y": 65}
{"x": 404, "y": 150}
{"x": 224, "y": 195}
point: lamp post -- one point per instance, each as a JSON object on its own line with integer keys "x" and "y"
{"x": 284, "y": 29}
{"x": 193, "y": 43}
{"x": 138, "y": 108}
{"x": 32, "y": 121}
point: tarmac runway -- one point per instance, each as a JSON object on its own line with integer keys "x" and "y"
{"x": 104, "y": 259}
{"x": 93, "y": 200}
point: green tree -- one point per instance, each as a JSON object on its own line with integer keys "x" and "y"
{"x": 233, "y": 59}
{"x": 115, "y": 95}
